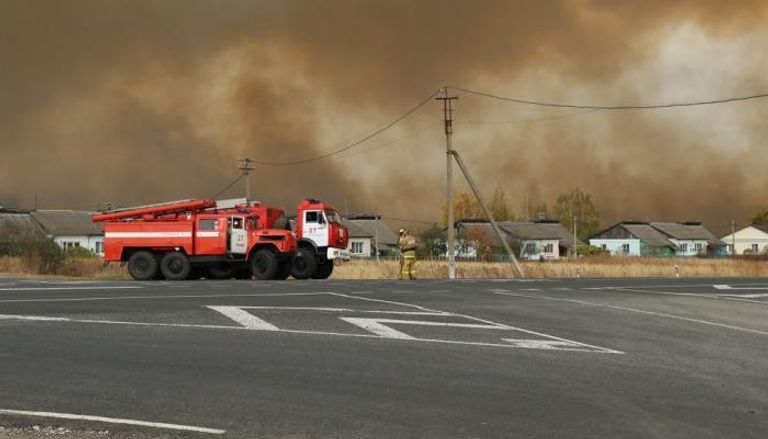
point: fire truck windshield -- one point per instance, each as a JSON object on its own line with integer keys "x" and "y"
{"x": 333, "y": 216}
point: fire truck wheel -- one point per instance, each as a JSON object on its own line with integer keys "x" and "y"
{"x": 284, "y": 270}
{"x": 143, "y": 265}
{"x": 264, "y": 264}
{"x": 324, "y": 270}
{"x": 304, "y": 264}
{"x": 175, "y": 266}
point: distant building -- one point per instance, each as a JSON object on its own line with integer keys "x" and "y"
{"x": 749, "y": 240}
{"x": 369, "y": 232}
{"x": 638, "y": 238}
{"x": 530, "y": 240}
{"x": 14, "y": 225}
{"x": 71, "y": 229}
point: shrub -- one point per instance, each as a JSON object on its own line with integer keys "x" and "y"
{"x": 40, "y": 255}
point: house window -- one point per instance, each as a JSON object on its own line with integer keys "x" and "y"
{"x": 530, "y": 248}
{"x": 99, "y": 247}
{"x": 549, "y": 248}
{"x": 625, "y": 248}
{"x": 755, "y": 248}
{"x": 684, "y": 247}
{"x": 699, "y": 247}
{"x": 357, "y": 248}
{"x": 604, "y": 247}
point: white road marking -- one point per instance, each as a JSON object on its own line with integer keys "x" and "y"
{"x": 33, "y": 318}
{"x": 113, "y": 421}
{"x": 661, "y": 293}
{"x": 728, "y": 287}
{"x": 639, "y": 311}
{"x": 748, "y": 296}
{"x": 738, "y": 298}
{"x": 244, "y": 318}
{"x": 190, "y": 296}
{"x": 375, "y": 326}
{"x": 113, "y": 287}
{"x": 253, "y": 323}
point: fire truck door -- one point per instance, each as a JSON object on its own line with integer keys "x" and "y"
{"x": 315, "y": 227}
{"x": 238, "y": 237}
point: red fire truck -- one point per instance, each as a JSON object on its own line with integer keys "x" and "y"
{"x": 199, "y": 238}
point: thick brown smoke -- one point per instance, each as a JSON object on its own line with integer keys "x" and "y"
{"x": 143, "y": 101}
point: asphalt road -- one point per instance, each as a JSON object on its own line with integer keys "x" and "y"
{"x": 629, "y": 358}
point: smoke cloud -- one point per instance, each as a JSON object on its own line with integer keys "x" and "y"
{"x": 145, "y": 101}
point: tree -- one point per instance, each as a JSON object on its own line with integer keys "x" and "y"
{"x": 478, "y": 239}
{"x": 499, "y": 206}
{"x": 432, "y": 243}
{"x": 761, "y": 216}
{"x": 465, "y": 206}
{"x": 578, "y": 203}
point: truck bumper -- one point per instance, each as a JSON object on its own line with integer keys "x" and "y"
{"x": 337, "y": 253}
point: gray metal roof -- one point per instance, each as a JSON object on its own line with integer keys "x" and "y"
{"x": 356, "y": 231}
{"x": 67, "y": 223}
{"x": 523, "y": 230}
{"x": 371, "y": 228}
{"x": 649, "y": 235}
{"x": 682, "y": 231}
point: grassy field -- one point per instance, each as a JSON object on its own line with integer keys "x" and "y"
{"x": 597, "y": 266}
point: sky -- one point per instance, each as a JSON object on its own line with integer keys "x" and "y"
{"x": 146, "y": 101}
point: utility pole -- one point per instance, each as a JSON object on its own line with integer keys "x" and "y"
{"x": 575, "y": 246}
{"x": 376, "y": 235}
{"x": 448, "y": 119}
{"x": 247, "y": 165}
{"x": 733, "y": 237}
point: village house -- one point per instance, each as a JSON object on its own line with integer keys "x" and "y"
{"x": 530, "y": 240}
{"x": 639, "y": 238}
{"x": 71, "y": 229}
{"x": 750, "y": 240}
{"x": 367, "y": 233}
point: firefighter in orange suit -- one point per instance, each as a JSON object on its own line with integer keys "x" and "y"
{"x": 407, "y": 245}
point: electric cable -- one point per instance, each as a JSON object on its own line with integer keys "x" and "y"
{"x": 610, "y": 107}
{"x": 227, "y": 187}
{"x": 353, "y": 144}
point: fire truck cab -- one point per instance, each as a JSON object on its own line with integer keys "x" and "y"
{"x": 321, "y": 239}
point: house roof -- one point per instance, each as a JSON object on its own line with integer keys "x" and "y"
{"x": 355, "y": 231}
{"x": 18, "y": 222}
{"x": 67, "y": 223}
{"x": 649, "y": 235}
{"x": 761, "y": 227}
{"x": 371, "y": 228}
{"x": 687, "y": 231}
{"x": 523, "y": 230}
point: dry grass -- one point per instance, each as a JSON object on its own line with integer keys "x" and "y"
{"x": 88, "y": 267}
{"x": 598, "y": 267}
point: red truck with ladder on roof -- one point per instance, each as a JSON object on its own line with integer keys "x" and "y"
{"x": 189, "y": 239}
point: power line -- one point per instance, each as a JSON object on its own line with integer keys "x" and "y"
{"x": 406, "y": 220}
{"x": 228, "y": 186}
{"x": 535, "y": 119}
{"x": 611, "y": 107}
{"x": 353, "y": 144}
